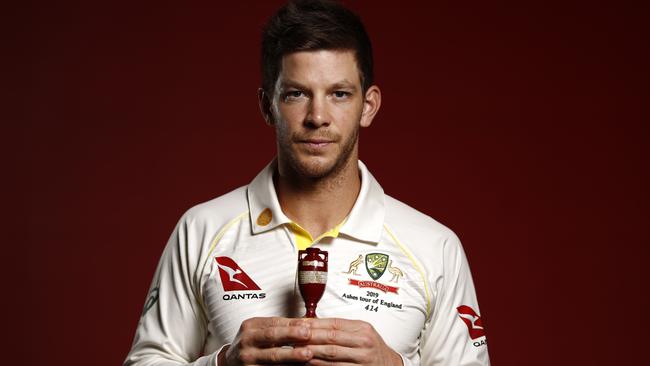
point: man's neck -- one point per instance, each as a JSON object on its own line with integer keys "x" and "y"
{"x": 319, "y": 205}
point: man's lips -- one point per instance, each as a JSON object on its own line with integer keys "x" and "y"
{"x": 316, "y": 142}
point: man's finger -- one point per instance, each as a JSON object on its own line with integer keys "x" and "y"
{"x": 344, "y": 338}
{"x": 277, "y": 336}
{"x": 318, "y": 362}
{"x": 339, "y": 323}
{"x": 277, "y": 355}
{"x": 335, "y": 353}
{"x": 276, "y": 321}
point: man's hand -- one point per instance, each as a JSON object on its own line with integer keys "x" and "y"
{"x": 336, "y": 341}
{"x": 315, "y": 342}
{"x": 264, "y": 341}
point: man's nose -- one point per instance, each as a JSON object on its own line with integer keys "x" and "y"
{"x": 318, "y": 115}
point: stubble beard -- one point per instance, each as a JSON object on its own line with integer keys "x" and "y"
{"x": 314, "y": 170}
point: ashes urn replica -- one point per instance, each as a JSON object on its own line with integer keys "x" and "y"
{"x": 312, "y": 276}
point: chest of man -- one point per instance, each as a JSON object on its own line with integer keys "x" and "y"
{"x": 256, "y": 277}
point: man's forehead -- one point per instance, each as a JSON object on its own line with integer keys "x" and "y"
{"x": 320, "y": 66}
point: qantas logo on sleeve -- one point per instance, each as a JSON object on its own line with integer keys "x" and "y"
{"x": 472, "y": 320}
{"x": 233, "y": 278}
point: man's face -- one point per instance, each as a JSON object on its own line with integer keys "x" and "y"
{"x": 317, "y": 109}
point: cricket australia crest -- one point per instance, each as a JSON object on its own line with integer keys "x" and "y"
{"x": 376, "y": 264}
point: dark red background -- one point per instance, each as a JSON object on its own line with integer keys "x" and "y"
{"x": 521, "y": 125}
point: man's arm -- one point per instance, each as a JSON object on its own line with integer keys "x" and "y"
{"x": 172, "y": 328}
{"x": 447, "y": 338}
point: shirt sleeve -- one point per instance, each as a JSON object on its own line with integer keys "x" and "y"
{"x": 454, "y": 334}
{"x": 173, "y": 326}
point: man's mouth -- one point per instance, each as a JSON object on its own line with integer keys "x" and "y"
{"x": 316, "y": 143}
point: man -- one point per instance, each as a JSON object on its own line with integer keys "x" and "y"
{"x": 398, "y": 291}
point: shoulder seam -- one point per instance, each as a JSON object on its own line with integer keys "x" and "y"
{"x": 408, "y": 253}
{"x": 214, "y": 243}
{"x": 220, "y": 234}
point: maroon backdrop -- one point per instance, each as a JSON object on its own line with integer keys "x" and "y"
{"x": 523, "y": 126}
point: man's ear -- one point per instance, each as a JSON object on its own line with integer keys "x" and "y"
{"x": 264, "y": 101}
{"x": 371, "y": 104}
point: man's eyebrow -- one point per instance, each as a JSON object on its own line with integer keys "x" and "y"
{"x": 343, "y": 84}
{"x": 286, "y": 84}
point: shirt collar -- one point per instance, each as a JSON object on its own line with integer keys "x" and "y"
{"x": 365, "y": 221}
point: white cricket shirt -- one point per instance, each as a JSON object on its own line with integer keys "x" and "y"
{"x": 235, "y": 257}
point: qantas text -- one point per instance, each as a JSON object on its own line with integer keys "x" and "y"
{"x": 245, "y": 296}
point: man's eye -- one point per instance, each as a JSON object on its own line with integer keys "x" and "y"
{"x": 341, "y": 94}
{"x": 294, "y": 94}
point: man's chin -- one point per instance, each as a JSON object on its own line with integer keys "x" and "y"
{"x": 314, "y": 167}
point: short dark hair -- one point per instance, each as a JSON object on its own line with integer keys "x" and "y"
{"x": 309, "y": 25}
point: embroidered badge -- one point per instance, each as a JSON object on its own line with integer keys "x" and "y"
{"x": 472, "y": 320}
{"x": 376, "y": 264}
{"x": 396, "y": 272}
{"x": 233, "y": 278}
{"x": 354, "y": 266}
{"x": 265, "y": 217}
